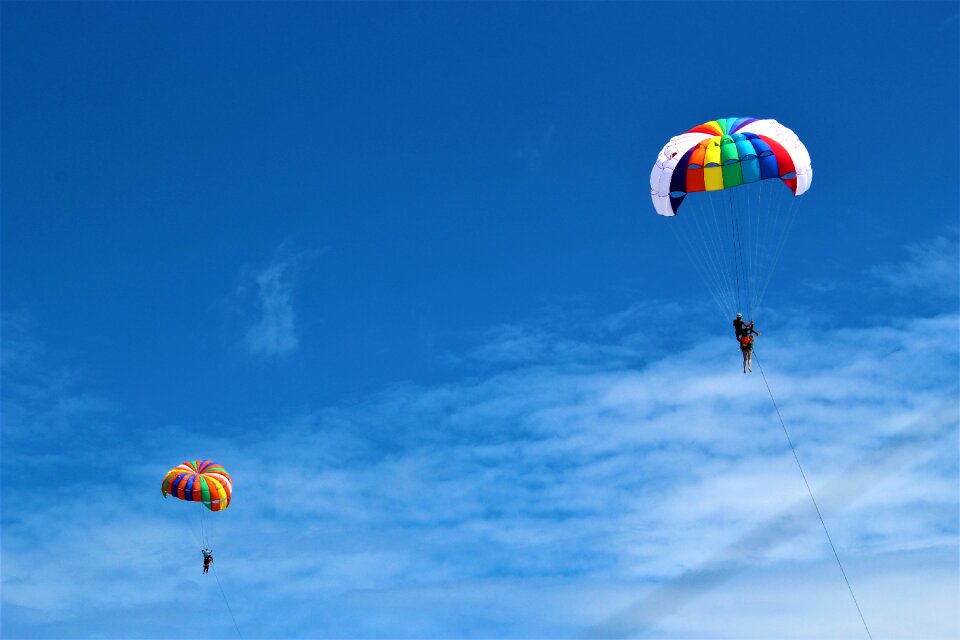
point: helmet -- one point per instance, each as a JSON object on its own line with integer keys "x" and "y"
{"x": 739, "y": 315}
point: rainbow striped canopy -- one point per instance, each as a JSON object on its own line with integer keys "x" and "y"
{"x": 199, "y": 481}
{"x": 726, "y": 153}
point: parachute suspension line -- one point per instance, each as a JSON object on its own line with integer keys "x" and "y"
{"x": 191, "y": 530}
{"x": 778, "y": 221}
{"x": 744, "y": 259}
{"x": 739, "y": 256}
{"x": 691, "y": 229}
{"x": 700, "y": 269}
{"x": 736, "y": 262}
{"x": 776, "y": 241}
{"x": 788, "y": 222}
{"x": 736, "y": 244}
{"x": 687, "y": 248}
{"x": 743, "y": 282}
{"x": 714, "y": 260}
{"x": 199, "y": 527}
{"x": 778, "y": 214}
{"x": 203, "y": 527}
{"x": 684, "y": 234}
{"x": 771, "y": 220}
{"x": 755, "y": 243}
{"x": 729, "y": 240}
{"x": 727, "y": 207}
{"x": 226, "y": 602}
{"x": 744, "y": 274}
{"x": 704, "y": 264}
{"x": 754, "y": 240}
{"x": 717, "y": 235}
{"x": 724, "y": 263}
{"x": 206, "y": 526}
{"x": 812, "y": 499}
{"x": 747, "y": 245}
{"x": 764, "y": 208}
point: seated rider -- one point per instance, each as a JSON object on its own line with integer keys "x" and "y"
{"x": 738, "y": 325}
{"x": 746, "y": 345}
{"x": 207, "y": 558}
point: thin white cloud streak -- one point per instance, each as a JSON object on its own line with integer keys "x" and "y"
{"x": 929, "y": 272}
{"x": 931, "y": 269}
{"x": 869, "y": 475}
{"x": 273, "y": 332}
{"x": 532, "y": 154}
{"x": 536, "y": 498}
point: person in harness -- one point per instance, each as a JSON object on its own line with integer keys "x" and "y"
{"x": 207, "y": 558}
{"x": 745, "y": 338}
{"x": 738, "y": 325}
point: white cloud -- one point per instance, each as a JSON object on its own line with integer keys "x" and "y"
{"x": 273, "y": 329}
{"x": 931, "y": 268}
{"x": 50, "y": 405}
{"x": 544, "y": 498}
{"x": 924, "y": 272}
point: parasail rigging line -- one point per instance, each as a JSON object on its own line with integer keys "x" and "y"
{"x": 700, "y": 270}
{"x": 226, "y": 602}
{"x": 189, "y": 529}
{"x": 813, "y": 499}
{"x": 716, "y": 236}
{"x": 738, "y": 256}
{"x": 203, "y": 529}
{"x": 791, "y": 217}
{"x": 737, "y": 267}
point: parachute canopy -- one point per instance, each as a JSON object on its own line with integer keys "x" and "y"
{"x": 736, "y": 220}
{"x": 199, "y": 481}
{"x": 726, "y": 153}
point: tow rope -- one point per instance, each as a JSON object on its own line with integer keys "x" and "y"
{"x": 812, "y": 499}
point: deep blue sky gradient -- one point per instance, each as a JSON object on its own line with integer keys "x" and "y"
{"x": 448, "y": 167}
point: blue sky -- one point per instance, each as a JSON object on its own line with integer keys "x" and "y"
{"x": 396, "y": 267}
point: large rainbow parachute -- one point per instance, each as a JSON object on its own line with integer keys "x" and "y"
{"x": 726, "y": 153}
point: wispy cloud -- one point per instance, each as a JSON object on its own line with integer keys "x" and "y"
{"x": 532, "y": 154}
{"x": 927, "y": 272}
{"x": 873, "y": 470}
{"x": 930, "y": 268}
{"x": 50, "y": 402}
{"x": 269, "y": 291}
{"x": 541, "y": 494}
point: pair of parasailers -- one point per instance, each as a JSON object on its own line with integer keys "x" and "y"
{"x": 745, "y": 333}
{"x": 207, "y": 558}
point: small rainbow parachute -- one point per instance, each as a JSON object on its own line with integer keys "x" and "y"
{"x": 199, "y": 481}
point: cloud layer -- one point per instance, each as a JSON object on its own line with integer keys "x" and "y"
{"x": 576, "y": 479}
